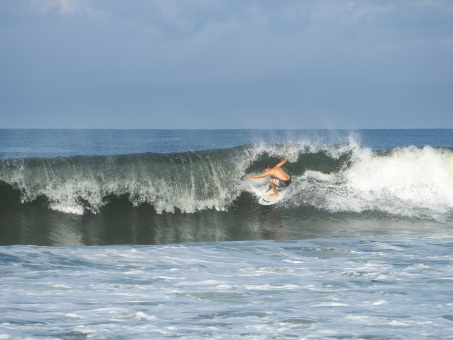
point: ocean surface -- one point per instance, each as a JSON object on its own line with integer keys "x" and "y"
{"x": 144, "y": 234}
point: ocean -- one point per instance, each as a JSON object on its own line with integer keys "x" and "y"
{"x": 149, "y": 234}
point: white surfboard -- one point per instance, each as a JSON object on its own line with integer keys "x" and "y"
{"x": 266, "y": 199}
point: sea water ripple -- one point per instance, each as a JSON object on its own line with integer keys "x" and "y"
{"x": 370, "y": 287}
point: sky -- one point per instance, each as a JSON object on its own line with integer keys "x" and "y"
{"x": 320, "y": 64}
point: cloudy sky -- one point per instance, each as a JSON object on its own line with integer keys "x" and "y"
{"x": 226, "y": 64}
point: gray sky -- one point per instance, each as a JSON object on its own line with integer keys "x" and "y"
{"x": 226, "y": 64}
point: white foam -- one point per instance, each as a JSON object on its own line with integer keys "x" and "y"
{"x": 407, "y": 178}
{"x": 143, "y": 316}
{"x": 407, "y": 182}
{"x": 226, "y": 301}
{"x": 76, "y": 210}
{"x": 6, "y": 337}
{"x": 397, "y": 323}
{"x": 379, "y": 303}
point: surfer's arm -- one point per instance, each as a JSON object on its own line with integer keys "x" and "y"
{"x": 282, "y": 162}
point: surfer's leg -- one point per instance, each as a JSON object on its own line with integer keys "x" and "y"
{"x": 272, "y": 183}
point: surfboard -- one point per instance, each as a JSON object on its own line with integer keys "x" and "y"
{"x": 269, "y": 200}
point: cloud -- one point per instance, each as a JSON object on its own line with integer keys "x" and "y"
{"x": 63, "y": 7}
{"x": 231, "y": 55}
{"x": 444, "y": 5}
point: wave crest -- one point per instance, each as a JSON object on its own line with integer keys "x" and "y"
{"x": 408, "y": 182}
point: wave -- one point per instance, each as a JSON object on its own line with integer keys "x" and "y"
{"x": 407, "y": 182}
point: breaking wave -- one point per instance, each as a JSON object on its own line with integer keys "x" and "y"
{"x": 407, "y": 182}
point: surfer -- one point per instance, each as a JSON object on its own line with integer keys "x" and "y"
{"x": 278, "y": 177}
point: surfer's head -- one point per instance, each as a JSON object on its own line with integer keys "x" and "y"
{"x": 267, "y": 168}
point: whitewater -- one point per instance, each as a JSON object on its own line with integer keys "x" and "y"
{"x": 155, "y": 234}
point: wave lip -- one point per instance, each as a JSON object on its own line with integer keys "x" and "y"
{"x": 186, "y": 181}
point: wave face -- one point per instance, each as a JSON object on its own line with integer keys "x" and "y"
{"x": 406, "y": 182}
